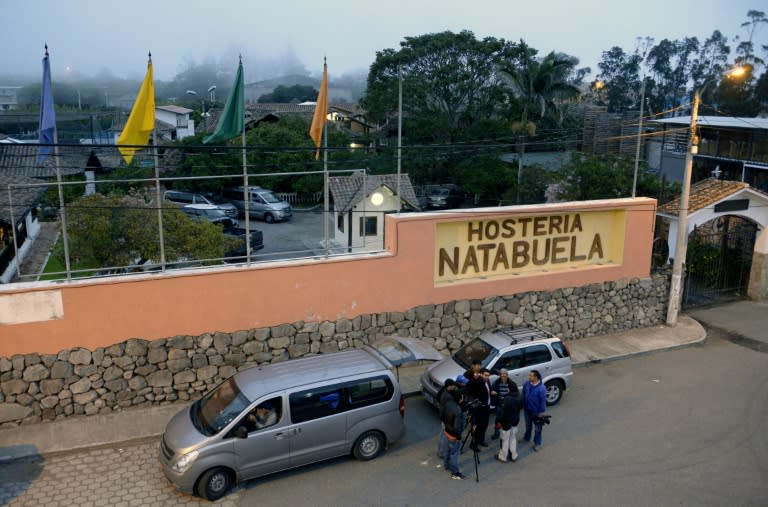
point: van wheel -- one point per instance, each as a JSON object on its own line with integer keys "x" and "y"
{"x": 269, "y": 218}
{"x": 368, "y": 446}
{"x": 214, "y": 483}
{"x": 555, "y": 390}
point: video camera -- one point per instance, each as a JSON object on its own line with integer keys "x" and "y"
{"x": 542, "y": 419}
{"x": 469, "y": 405}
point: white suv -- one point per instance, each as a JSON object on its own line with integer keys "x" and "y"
{"x": 518, "y": 350}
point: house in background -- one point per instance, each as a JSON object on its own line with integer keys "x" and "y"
{"x": 26, "y": 178}
{"x": 19, "y": 196}
{"x": 360, "y": 202}
{"x": 174, "y": 122}
{"x": 730, "y": 148}
{"x": 8, "y": 98}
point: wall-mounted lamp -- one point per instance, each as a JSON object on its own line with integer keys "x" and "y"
{"x": 377, "y": 198}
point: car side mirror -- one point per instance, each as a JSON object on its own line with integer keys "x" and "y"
{"x": 240, "y": 432}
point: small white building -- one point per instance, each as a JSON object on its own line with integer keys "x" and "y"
{"x": 8, "y": 98}
{"x": 177, "y": 121}
{"x": 360, "y": 202}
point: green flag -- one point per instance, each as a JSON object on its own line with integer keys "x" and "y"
{"x": 233, "y": 117}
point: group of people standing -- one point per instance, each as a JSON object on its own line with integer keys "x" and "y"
{"x": 474, "y": 393}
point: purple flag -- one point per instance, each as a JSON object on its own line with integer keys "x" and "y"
{"x": 47, "y": 112}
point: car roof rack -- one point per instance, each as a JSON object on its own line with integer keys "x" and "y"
{"x": 521, "y": 334}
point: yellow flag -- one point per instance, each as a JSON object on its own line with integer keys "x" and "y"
{"x": 141, "y": 121}
{"x": 321, "y": 112}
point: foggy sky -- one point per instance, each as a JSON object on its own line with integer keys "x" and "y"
{"x": 91, "y": 37}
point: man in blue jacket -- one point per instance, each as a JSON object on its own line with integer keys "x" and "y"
{"x": 454, "y": 421}
{"x": 534, "y": 405}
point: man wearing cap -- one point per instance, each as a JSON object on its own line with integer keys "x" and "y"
{"x": 442, "y": 398}
{"x": 507, "y": 421}
{"x": 500, "y": 390}
{"x": 454, "y": 420}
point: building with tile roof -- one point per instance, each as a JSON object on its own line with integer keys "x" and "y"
{"x": 19, "y": 196}
{"x": 360, "y": 202}
{"x": 712, "y": 200}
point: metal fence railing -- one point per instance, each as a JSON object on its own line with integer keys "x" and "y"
{"x": 116, "y": 222}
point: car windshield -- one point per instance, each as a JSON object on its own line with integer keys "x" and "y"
{"x": 269, "y": 197}
{"x": 476, "y": 350}
{"x": 441, "y": 192}
{"x": 219, "y": 407}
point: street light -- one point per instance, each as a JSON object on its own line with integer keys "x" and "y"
{"x": 202, "y": 107}
{"x": 681, "y": 242}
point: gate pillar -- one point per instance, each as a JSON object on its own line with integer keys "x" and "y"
{"x": 758, "y": 276}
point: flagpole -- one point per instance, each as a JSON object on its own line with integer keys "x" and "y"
{"x": 246, "y": 191}
{"x": 247, "y": 213}
{"x": 159, "y": 201}
{"x": 63, "y": 210}
{"x": 61, "y": 202}
{"x": 326, "y": 206}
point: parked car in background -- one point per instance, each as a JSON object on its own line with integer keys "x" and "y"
{"x": 262, "y": 203}
{"x": 238, "y": 252}
{"x": 211, "y": 213}
{"x": 182, "y": 198}
{"x": 519, "y": 350}
{"x": 444, "y": 197}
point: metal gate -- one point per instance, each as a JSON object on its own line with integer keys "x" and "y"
{"x": 718, "y": 261}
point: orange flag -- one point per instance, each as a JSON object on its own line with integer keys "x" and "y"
{"x": 321, "y": 112}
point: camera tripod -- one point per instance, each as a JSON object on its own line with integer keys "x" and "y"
{"x": 472, "y": 445}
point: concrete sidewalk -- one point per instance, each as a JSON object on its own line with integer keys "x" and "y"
{"x": 143, "y": 423}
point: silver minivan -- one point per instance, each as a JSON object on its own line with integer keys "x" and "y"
{"x": 262, "y": 203}
{"x": 284, "y": 415}
{"x": 518, "y": 350}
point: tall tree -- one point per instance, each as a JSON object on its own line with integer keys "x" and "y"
{"x": 538, "y": 84}
{"x": 619, "y": 75}
{"x": 449, "y": 82}
{"x": 745, "y": 50}
{"x": 709, "y": 64}
{"x": 671, "y": 64}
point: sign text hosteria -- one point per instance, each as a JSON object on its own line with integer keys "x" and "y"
{"x": 516, "y": 245}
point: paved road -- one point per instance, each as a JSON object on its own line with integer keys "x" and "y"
{"x": 683, "y": 427}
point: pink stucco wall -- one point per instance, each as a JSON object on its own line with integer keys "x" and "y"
{"x": 99, "y": 313}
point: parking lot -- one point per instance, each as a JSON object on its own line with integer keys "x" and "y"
{"x": 301, "y": 236}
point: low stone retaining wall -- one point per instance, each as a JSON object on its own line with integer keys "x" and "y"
{"x": 36, "y": 387}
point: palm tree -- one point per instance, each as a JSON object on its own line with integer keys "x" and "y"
{"x": 538, "y": 84}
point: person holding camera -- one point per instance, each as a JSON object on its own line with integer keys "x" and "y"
{"x": 479, "y": 402}
{"x": 534, "y": 405}
{"x": 454, "y": 422}
{"x": 507, "y": 421}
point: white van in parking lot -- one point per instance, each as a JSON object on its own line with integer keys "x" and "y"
{"x": 284, "y": 415}
{"x": 262, "y": 203}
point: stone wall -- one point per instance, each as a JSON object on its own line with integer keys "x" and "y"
{"x": 37, "y": 387}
